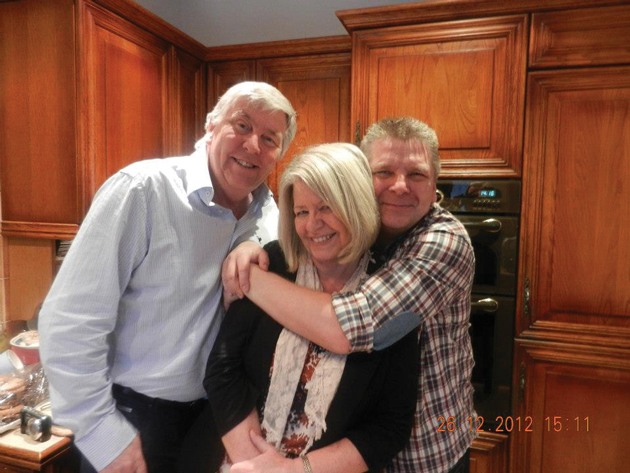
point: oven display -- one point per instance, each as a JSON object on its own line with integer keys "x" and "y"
{"x": 488, "y": 193}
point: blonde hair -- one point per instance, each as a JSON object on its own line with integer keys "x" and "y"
{"x": 340, "y": 175}
{"x": 256, "y": 94}
{"x": 405, "y": 129}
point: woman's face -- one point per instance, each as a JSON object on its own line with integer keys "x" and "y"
{"x": 322, "y": 233}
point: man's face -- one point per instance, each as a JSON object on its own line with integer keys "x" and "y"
{"x": 404, "y": 183}
{"x": 243, "y": 149}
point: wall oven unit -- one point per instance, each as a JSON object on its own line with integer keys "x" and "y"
{"x": 490, "y": 212}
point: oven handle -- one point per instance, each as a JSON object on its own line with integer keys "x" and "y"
{"x": 487, "y": 305}
{"x": 491, "y": 225}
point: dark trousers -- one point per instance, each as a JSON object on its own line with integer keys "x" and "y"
{"x": 463, "y": 465}
{"x": 162, "y": 425}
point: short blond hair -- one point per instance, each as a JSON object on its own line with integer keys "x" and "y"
{"x": 404, "y": 129}
{"x": 340, "y": 175}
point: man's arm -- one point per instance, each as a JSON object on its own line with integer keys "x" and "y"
{"x": 80, "y": 313}
{"x": 304, "y": 311}
{"x": 434, "y": 269}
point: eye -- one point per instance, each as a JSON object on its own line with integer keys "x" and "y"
{"x": 300, "y": 213}
{"x": 417, "y": 176}
{"x": 383, "y": 174}
{"x": 325, "y": 208}
{"x": 270, "y": 141}
{"x": 242, "y": 127}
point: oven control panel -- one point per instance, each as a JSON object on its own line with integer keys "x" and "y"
{"x": 478, "y": 196}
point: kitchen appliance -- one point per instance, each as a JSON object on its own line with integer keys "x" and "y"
{"x": 490, "y": 212}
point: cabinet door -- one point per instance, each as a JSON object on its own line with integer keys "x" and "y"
{"x": 38, "y": 151}
{"x": 187, "y": 103}
{"x": 318, "y": 87}
{"x": 573, "y": 409}
{"x": 575, "y": 250}
{"x": 126, "y": 92}
{"x": 466, "y": 79}
{"x": 223, "y": 75}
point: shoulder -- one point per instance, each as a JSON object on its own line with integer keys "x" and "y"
{"x": 277, "y": 261}
{"x": 439, "y": 230}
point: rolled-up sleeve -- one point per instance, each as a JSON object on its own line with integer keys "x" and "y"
{"x": 426, "y": 274}
{"x": 80, "y": 313}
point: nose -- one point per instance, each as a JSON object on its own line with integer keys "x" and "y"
{"x": 251, "y": 144}
{"x": 400, "y": 185}
{"x": 314, "y": 222}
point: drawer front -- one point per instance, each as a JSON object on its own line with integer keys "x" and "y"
{"x": 590, "y": 36}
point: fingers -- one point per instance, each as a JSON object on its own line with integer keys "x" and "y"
{"x": 260, "y": 442}
{"x": 243, "y": 274}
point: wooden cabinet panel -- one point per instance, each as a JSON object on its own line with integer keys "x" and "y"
{"x": 128, "y": 71}
{"x": 466, "y": 79}
{"x": 38, "y": 153}
{"x": 575, "y": 397}
{"x": 187, "y": 99}
{"x": 589, "y": 36}
{"x": 318, "y": 87}
{"x": 576, "y": 202}
{"x": 223, "y": 75}
{"x": 489, "y": 453}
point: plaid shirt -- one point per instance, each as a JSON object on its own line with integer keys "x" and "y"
{"x": 426, "y": 282}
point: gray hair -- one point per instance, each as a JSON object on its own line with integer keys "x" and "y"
{"x": 405, "y": 129}
{"x": 257, "y": 94}
{"x": 340, "y": 175}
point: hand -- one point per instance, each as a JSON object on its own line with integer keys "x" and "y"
{"x": 129, "y": 461}
{"x": 269, "y": 460}
{"x": 235, "y": 271}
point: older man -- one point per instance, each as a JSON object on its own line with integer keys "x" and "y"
{"x": 424, "y": 284}
{"x": 132, "y": 315}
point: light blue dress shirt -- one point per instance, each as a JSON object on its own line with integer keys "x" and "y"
{"x": 137, "y": 299}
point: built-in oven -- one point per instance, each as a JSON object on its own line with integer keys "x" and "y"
{"x": 489, "y": 209}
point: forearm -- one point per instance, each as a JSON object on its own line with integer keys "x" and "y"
{"x": 306, "y": 312}
{"x": 339, "y": 457}
{"x": 237, "y": 441}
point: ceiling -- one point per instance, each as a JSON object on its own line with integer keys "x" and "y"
{"x": 226, "y": 22}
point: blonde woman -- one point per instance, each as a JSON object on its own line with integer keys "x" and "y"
{"x": 303, "y": 399}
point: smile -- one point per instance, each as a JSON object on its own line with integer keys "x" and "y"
{"x": 244, "y": 164}
{"x": 323, "y": 238}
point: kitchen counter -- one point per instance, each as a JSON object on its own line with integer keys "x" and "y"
{"x": 21, "y": 454}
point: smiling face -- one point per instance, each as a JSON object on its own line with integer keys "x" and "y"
{"x": 322, "y": 233}
{"x": 404, "y": 183}
{"x": 243, "y": 150}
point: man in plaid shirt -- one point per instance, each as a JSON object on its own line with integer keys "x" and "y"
{"x": 424, "y": 283}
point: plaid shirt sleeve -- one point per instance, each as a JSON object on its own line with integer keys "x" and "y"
{"x": 429, "y": 270}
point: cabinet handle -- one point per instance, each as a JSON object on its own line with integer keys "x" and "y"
{"x": 521, "y": 382}
{"x": 357, "y": 133}
{"x": 490, "y": 225}
{"x": 526, "y": 300}
{"x": 487, "y": 305}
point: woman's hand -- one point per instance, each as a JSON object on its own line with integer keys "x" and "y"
{"x": 269, "y": 460}
{"x": 235, "y": 271}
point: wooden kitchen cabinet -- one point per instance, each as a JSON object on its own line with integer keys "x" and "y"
{"x": 89, "y": 87}
{"x": 465, "y": 78}
{"x": 573, "y": 351}
{"x": 575, "y": 256}
{"x": 313, "y": 74}
{"x": 573, "y": 408}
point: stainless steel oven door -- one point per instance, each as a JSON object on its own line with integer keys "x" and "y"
{"x": 495, "y": 243}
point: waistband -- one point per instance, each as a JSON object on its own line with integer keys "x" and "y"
{"x": 123, "y": 393}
